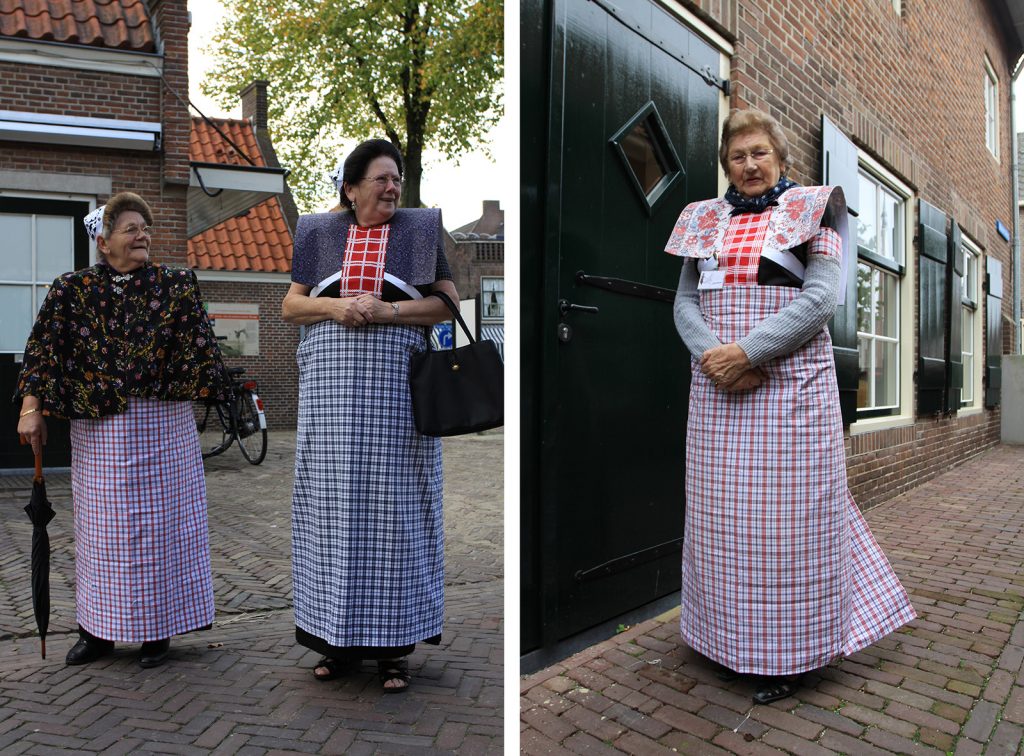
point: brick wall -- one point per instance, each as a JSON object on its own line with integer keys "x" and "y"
{"x": 890, "y": 83}
{"x": 274, "y": 368}
{"x": 159, "y": 177}
{"x": 470, "y": 260}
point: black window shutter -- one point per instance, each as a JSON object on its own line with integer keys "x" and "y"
{"x": 993, "y": 332}
{"x": 954, "y": 296}
{"x": 839, "y": 168}
{"x": 932, "y": 310}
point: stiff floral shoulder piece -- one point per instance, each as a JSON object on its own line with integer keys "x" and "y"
{"x": 94, "y": 222}
{"x": 700, "y": 229}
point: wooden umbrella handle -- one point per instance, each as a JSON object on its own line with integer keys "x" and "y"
{"x": 39, "y": 467}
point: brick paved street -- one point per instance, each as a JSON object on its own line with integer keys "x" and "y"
{"x": 245, "y": 687}
{"x": 951, "y": 682}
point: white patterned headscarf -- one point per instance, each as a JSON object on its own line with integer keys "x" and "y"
{"x": 94, "y": 222}
{"x": 337, "y": 176}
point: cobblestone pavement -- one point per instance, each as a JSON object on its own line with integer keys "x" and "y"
{"x": 244, "y": 686}
{"x": 950, "y": 682}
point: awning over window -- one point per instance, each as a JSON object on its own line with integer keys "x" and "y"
{"x": 218, "y": 191}
{"x": 54, "y": 128}
{"x": 496, "y": 333}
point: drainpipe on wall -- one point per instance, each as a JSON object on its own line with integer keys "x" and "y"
{"x": 1014, "y": 162}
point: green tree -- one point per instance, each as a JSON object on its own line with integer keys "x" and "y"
{"x": 422, "y": 74}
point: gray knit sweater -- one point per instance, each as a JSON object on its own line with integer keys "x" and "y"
{"x": 779, "y": 334}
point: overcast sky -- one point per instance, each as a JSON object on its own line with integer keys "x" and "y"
{"x": 458, "y": 190}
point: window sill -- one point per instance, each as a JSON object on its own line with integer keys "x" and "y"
{"x": 968, "y": 411}
{"x": 872, "y": 424}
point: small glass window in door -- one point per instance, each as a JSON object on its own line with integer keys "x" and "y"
{"x": 648, "y": 155}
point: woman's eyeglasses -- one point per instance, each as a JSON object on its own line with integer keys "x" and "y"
{"x": 134, "y": 230}
{"x": 382, "y": 181}
{"x": 740, "y": 158}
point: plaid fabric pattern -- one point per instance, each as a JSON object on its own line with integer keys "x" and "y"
{"x": 741, "y": 253}
{"x": 363, "y": 269}
{"x": 367, "y": 524}
{"x": 780, "y": 572}
{"x": 828, "y": 242}
{"x": 142, "y": 552}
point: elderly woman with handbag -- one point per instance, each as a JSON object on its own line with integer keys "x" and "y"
{"x": 122, "y": 349}
{"x": 780, "y": 572}
{"x": 367, "y": 525}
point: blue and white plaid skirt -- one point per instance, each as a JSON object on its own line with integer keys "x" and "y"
{"x": 367, "y": 524}
{"x": 142, "y": 550}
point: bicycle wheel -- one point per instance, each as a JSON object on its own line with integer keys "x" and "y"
{"x": 252, "y": 439}
{"x": 215, "y": 429}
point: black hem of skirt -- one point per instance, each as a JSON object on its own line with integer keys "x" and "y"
{"x": 345, "y": 653}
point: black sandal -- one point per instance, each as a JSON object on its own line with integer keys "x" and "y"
{"x": 776, "y": 688}
{"x": 393, "y": 670}
{"x": 335, "y": 668}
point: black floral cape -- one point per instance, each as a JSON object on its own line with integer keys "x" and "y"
{"x": 98, "y": 340}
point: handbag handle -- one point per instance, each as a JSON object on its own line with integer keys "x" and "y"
{"x": 458, "y": 316}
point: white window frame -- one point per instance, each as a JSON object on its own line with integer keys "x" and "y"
{"x": 484, "y": 317}
{"x": 905, "y": 308}
{"x": 991, "y": 94}
{"x": 972, "y": 290}
{"x": 93, "y": 254}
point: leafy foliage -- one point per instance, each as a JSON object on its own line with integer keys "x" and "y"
{"x": 423, "y": 74}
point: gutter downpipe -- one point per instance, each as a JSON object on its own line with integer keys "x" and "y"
{"x": 1016, "y": 209}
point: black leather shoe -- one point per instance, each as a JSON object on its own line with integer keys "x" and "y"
{"x": 88, "y": 649}
{"x": 154, "y": 653}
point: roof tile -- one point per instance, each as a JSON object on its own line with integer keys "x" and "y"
{"x": 119, "y": 24}
{"x": 259, "y": 240}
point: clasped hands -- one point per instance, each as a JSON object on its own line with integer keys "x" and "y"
{"x": 361, "y": 310}
{"x": 728, "y": 368}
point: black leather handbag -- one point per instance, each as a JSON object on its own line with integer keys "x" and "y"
{"x": 458, "y": 390}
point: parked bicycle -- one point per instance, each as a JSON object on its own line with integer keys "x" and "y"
{"x": 241, "y": 418}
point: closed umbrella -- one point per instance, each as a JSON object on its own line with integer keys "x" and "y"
{"x": 40, "y": 512}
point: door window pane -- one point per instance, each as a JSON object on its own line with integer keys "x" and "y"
{"x": 16, "y": 317}
{"x": 55, "y": 245}
{"x": 16, "y": 232}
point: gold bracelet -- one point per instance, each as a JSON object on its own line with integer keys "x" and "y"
{"x": 29, "y": 412}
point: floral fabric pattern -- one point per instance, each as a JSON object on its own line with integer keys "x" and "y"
{"x": 101, "y": 337}
{"x": 701, "y": 228}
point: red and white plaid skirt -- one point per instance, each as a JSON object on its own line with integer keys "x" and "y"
{"x": 780, "y": 571}
{"x": 142, "y": 552}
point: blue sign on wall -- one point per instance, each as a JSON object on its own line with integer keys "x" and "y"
{"x": 1002, "y": 230}
{"x": 443, "y": 335}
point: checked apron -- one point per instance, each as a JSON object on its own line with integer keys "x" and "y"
{"x": 367, "y": 524}
{"x": 142, "y": 552}
{"x": 780, "y": 573}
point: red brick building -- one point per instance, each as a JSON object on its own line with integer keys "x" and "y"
{"x": 244, "y": 263}
{"x": 904, "y": 103}
{"x": 93, "y": 102}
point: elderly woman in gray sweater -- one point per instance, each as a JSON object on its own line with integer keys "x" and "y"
{"x": 780, "y": 572}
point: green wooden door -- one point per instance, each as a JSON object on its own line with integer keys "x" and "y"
{"x": 632, "y": 138}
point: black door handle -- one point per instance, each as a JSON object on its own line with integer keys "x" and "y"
{"x": 565, "y": 306}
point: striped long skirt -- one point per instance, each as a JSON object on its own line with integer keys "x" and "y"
{"x": 780, "y": 572}
{"x": 367, "y": 524}
{"x": 142, "y": 551}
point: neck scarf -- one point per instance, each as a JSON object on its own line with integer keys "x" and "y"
{"x": 759, "y": 204}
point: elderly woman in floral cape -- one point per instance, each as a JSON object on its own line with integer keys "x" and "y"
{"x": 122, "y": 349}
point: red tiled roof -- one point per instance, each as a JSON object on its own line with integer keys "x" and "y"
{"x": 259, "y": 241}
{"x": 120, "y": 24}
